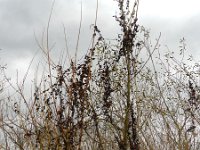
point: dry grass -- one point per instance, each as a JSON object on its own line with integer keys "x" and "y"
{"x": 113, "y": 99}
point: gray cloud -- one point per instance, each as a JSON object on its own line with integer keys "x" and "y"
{"x": 172, "y": 30}
{"x": 18, "y": 20}
{"x": 21, "y": 19}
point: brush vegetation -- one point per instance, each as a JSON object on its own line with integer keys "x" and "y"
{"x": 125, "y": 94}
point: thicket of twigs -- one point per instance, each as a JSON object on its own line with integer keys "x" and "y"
{"x": 125, "y": 94}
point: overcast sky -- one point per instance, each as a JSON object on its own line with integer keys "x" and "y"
{"x": 175, "y": 19}
{"x": 21, "y": 21}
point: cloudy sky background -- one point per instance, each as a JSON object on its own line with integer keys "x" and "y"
{"x": 21, "y": 21}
